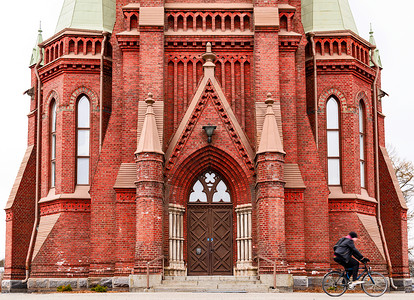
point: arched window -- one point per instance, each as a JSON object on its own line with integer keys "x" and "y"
{"x": 210, "y": 188}
{"x": 362, "y": 143}
{"x": 82, "y": 141}
{"x": 333, "y": 142}
{"x": 53, "y": 144}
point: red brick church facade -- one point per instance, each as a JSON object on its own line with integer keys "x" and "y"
{"x": 212, "y": 134}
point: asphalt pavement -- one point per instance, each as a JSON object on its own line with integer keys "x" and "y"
{"x": 198, "y": 296}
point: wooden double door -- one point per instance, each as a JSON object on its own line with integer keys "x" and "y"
{"x": 210, "y": 240}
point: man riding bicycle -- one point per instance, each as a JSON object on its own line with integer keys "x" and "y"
{"x": 343, "y": 251}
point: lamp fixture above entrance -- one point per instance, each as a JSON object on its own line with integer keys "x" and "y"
{"x": 209, "y": 129}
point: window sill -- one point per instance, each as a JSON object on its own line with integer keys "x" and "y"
{"x": 336, "y": 193}
{"x": 81, "y": 192}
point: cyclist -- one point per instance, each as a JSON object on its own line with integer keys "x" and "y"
{"x": 343, "y": 251}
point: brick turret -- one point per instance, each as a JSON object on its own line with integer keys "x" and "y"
{"x": 149, "y": 202}
{"x": 270, "y": 190}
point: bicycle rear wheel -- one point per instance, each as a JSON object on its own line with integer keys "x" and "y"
{"x": 375, "y": 285}
{"x": 334, "y": 284}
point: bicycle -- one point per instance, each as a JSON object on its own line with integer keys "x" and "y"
{"x": 337, "y": 282}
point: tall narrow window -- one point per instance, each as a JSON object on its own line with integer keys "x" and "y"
{"x": 53, "y": 145}
{"x": 332, "y": 131}
{"x": 362, "y": 144}
{"x": 82, "y": 149}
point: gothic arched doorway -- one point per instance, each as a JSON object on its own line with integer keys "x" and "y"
{"x": 210, "y": 222}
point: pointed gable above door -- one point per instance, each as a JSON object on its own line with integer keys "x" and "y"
{"x": 209, "y": 106}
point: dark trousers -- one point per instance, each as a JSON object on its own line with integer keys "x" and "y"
{"x": 352, "y": 264}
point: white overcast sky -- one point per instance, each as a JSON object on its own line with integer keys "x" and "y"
{"x": 19, "y": 21}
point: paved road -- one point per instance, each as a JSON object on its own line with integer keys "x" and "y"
{"x": 198, "y": 296}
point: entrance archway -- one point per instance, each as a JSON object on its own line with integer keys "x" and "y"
{"x": 210, "y": 223}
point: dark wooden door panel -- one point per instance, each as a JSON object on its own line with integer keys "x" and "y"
{"x": 210, "y": 241}
{"x": 222, "y": 260}
{"x": 198, "y": 258}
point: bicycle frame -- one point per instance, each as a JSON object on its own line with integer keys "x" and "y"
{"x": 337, "y": 282}
{"x": 366, "y": 270}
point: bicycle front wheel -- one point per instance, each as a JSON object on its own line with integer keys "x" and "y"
{"x": 375, "y": 284}
{"x": 334, "y": 284}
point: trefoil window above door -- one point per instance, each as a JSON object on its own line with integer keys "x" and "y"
{"x": 209, "y": 188}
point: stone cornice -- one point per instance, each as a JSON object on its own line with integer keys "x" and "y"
{"x": 210, "y": 33}
{"x": 211, "y": 6}
{"x": 71, "y": 32}
{"x": 289, "y": 41}
{"x": 128, "y": 40}
{"x": 240, "y": 44}
{"x": 342, "y": 65}
{"x": 341, "y": 33}
{"x": 74, "y": 64}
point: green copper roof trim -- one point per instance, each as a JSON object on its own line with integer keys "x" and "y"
{"x": 87, "y": 14}
{"x": 375, "y": 53}
{"x": 327, "y": 15}
{"x": 36, "y": 51}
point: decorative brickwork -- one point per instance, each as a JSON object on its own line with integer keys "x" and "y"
{"x": 53, "y": 95}
{"x": 209, "y": 20}
{"x": 205, "y": 65}
{"x": 211, "y": 97}
{"x": 332, "y": 92}
{"x": 86, "y": 91}
{"x": 65, "y": 206}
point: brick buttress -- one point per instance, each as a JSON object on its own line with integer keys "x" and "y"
{"x": 149, "y": 208}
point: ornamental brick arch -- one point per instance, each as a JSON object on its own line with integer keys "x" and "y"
{"x": 182, "y": 179}
{"x": 92, "y": 96}
{"x": 362, "y": 97}
{"x": 332, "y": 92}
{"x": 53, "y": 95}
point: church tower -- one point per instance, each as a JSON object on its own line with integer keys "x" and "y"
{"x": 185, "y": 139}
{"x": 344, "y": 101}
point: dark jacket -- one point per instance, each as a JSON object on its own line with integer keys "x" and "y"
{"x": 345, "y": 248}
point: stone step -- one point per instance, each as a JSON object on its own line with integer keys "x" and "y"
{"x": 218, "y": 289}
{"x": 211, "y": 278}
{"x": 212, "y": 284}
{"x": 208, "y": 283}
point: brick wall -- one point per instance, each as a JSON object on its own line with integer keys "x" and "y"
{"x": 394, "y": 220}
{"x": 66, "y": 251}
{"x": 114, "y": 237}
{"x": 126, "y": 233}
{"x": 295, "y": 229}
{"x": 19, "y": 221}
